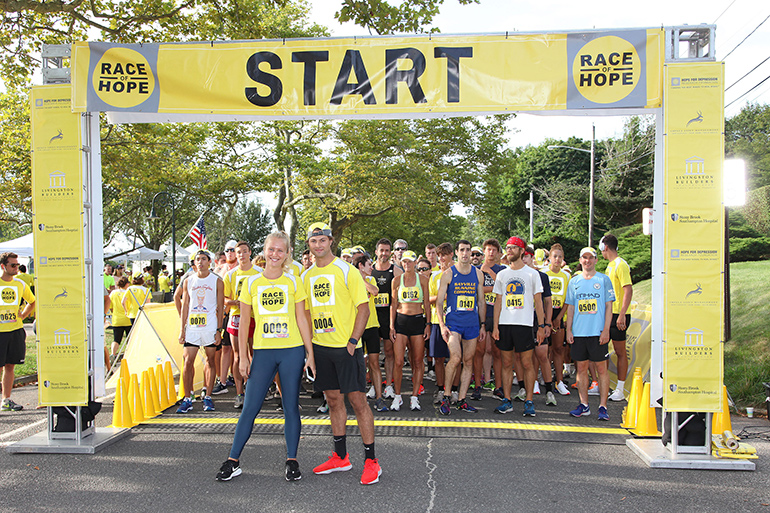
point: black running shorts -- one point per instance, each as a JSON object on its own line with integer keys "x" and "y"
{"x": 616, "y": 334}
{"x": 514, "y": 337}
{"x": 13, "y": 347}
{"x": 383, "y": 316}
{"x": 371, "y": 340}
{"x": 588, "y": 348}
{"x": 337, "y": 370}
{"x": 410, "y": 325}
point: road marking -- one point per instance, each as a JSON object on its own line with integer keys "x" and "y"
{"x": 22, "y": 429}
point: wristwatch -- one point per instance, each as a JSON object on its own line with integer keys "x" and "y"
{"x": 353, "y": 341}
{"x": 541, "y": 325}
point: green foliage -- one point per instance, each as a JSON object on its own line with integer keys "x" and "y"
{"x": 383, "y": 17}
{"x": 757, "y": 210}
{"x": 747, "y": 136}
{"x": 749, "y": 249}
{"x": 739, "y": 226}
{"x": 15, "y": 160}
{"x": 246, "y": 221}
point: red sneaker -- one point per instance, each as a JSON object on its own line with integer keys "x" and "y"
{"x": 372, "y": 472}
{"x": 334, "y": 464}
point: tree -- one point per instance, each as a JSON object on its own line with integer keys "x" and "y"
{"x": 382, "y": 17}
{"x": 747, "y": 136}
{"x": 249, "y": 222}
{"x": 15, "y": 159}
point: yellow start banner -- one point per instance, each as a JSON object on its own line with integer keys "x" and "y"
{"x": 62, "y": 349}
{"x": 374, "y": 76}
{"x": 694, "y": 237}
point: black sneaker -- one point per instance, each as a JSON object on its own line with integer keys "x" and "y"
{"x": 476, "y": 395}
{"x": 292, "y": 471}
{"x": 229, "y": 470}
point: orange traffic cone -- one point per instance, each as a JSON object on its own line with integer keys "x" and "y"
{"x": 168, "y": 374}
{"x": 631, "y": 411}
{"x": 121, "y": 414}
{"x": 646, "y": 421}
{"x": 135, "y": 402}
{"x": 161, "y": 387}
{"x": 720, "y": 422}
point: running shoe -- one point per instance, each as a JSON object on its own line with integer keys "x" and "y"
{"x": 229, "y": 470}
{"x": 489, "y": 385}
{"x": 603, "y": 415}
{"x": 292, "y": 471}
{"x": 219, "y": 388}
{"x": 439, "y": 397}
{"x": 522, "y": 395}
{"x": 594, "y": 388}
{"x": 388, "y": 393}
{"x": 582, "y": 410}
{"x": 203, "y": 394}
{"x": 445, "y": 408}
{"x": 414, "y": 403}
{"x": 565, "y": 370}
{"x": 372, "y": 472}
{"x": 396, "y": 404}
{"x": 9, "y": 405}
{"x": 505, "y": 407}
{"x": 550, "y": 399}
{"x": 279, "y": 407}
{"x": 185, "y": 406}
{"x": 464, "y": 406}
{"x": 208, "y": 404}
{"x": 562, "y": 388}
{"x": 379, "y": 405}
{"x": 431, "y": 375}
{"x": 476, "y": 395}
{"x": 529, "y": 409}
{"x": 455, "y": 396}
{"x": 238, "y": 401}
{"x": 421, "y": 391}
{"x": 370, "y": 393}
{"x": 334, "y": 464}
{"x": 617, "y": 395}
{"x": 536, "y": 390}
{"x": 498, "y": 393}
{"x": 324, "y": 408}
{"x": 230, "y": 381}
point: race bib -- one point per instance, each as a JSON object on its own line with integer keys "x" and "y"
{"x": 234, "y": 322}
{"x": 7, "y": 317}
{"x": 409, "y": 294}
{"x": 466, "y": 303}
{"x": 557, "y": 302}
{"x": 275, "y": 327}
{"x": 382, "y": 300}
{"x": 587, "y": 306}
{"x": 323, "y": 324}
{"x": 198, "y": 320}
{"x": 489, "y": 297}
{"x": 514, "y": 301}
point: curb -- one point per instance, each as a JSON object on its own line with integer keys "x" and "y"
{"x": 24, "y": 380}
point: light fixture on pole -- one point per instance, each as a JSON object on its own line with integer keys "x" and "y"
{"x": 591, "y": 192}
{"x": 167, "y": 201}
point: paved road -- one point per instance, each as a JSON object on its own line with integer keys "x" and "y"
{"x": 154, "y": 470}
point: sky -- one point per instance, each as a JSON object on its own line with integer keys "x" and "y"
{"x": 735, "y": 19}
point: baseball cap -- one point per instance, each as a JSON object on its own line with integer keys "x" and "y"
{"x": 476, "y": 249}
{"x": 346, "y": 252}
{"x": 231, "y": 244}
{"x": 409, "y": 255}
{"x": 358, "y": 249}
{"x": 319, "y": 229}
{"x": 516, "y": 241}
{"x": 588, "y": 250}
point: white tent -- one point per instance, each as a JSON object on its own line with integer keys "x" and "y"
{"x": 21, "y": 246}
{"x": 145, "y": 253}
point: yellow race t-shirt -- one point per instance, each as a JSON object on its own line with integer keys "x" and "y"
{"x": 620, "y": 276}
{"x": 273, "y": 308}
{"x": 435, "y": 278}
{"x": 558, "y": 281}
{"x": 116, "y": 305}
{"x": 163, "y": 283}
{"x": 334, "y": 293}
{"x": 296, "y": 268}
{"x": 234, "y": 281}
{"x": 373, "y": 321}
{"x": 11, "y": 294}
{"x": 136, "y": 296}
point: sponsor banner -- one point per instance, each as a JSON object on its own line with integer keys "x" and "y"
{"x": 375, "y": 76}
{"x": 638, "y": 345}
{"x": 62, "y": 349}
{"x": 694, "y": 237}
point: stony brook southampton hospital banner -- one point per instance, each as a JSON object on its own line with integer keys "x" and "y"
{"x": 412, "y": 76}
{"x": 57, "y": 196}
{"x": 694, "y": 237}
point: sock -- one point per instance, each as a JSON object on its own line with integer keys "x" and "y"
{"x": 548, "y": 386}
{"x": 455, "y": 388}
{"x": 521, "y": 386}
{"x": 340, "y": 446}
{"x": 369, "y": 451}
{"x": 620, "y": 386}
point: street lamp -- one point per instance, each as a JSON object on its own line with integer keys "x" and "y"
{"x": 591, "y": 193}
{"x": 168, "y": 200}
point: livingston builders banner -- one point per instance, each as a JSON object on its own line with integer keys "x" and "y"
{"x": 375, "y": 76}
{"x": 57, "y": 195}
{"x": 694, "y": 237}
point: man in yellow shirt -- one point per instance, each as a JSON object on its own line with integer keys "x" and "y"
{"x": 13, "y": 338}
{"x": 620, "y": 276}
{"x": 338, "y": 310}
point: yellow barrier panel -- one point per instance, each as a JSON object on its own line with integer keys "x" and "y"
{"x": 647, "y": 423}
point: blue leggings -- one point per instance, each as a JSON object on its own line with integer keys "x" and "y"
{"x": 289, "y": 364}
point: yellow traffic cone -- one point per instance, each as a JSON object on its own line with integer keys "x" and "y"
{"x": 646, "y": 422}
{"x": 168, "y": 374}
{"x": 153, "y": 386}
{"x": 121, "y": 414}
{"x": 631, "y": 411}
{"x": 720, "y": 422}
{"x": 162, "y": 391}
{"x": 145, "y": 396}
{"x": 125, "y": 375}
{"x": 180, "y": 394}
{"x": 135, "y": 402}
{"x": 152, "y": 408}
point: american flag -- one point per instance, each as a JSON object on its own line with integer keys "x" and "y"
{"x": 198, "y": 233}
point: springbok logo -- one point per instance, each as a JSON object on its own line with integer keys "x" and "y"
{"x": 60, "y": 137}
{"x": 62, "y": 295}
{"x": 697, "y": 119}
{"x": 697, "y": 291}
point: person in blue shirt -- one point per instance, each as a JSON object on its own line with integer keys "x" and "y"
{"x": 589, "y": 312}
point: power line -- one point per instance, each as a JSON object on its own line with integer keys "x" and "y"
{"x": 747, "y": 74}
{"x": 747, "y": 92}
{"x": 723, "y": 12}
{"x": 745, "y": 38}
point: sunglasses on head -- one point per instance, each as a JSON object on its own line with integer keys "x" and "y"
{"x": 475, "y": 254}
{"x": 423, "y": 269}
{"x": 229, "y": 250}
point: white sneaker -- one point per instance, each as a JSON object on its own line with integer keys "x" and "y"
{"x": 536, "y": 390}
{"x": 515, "y": 381}
{"x": 388, "y": 393}
{"x": 324, "y": 408}
{"x": 550, "y": 399}
{"x": 455, "y": 397}
{"x": 565, "y": 370}
{"x": 439, "y": 397}
{"x": 431, "y": 375}
{"x": 617, "y": 395}
{"x": 562, "y": 388}
{"x": 521, "y": 395}
{"x": 370, "y": 392}
{"x": 593, "y": 389}
{"x": 397, "y": 402}
{"x": 415, "y": 404}
{"x": 540, "y": 378}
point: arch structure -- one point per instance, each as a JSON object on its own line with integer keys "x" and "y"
{"x": 670, "y": 72}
